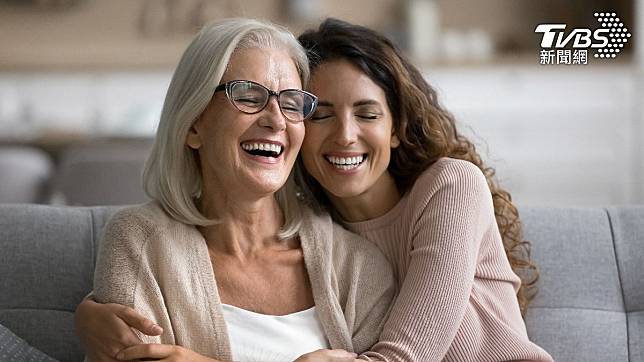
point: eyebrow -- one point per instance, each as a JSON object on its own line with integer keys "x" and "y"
{"x": 363, "y": 102}
{"x": 366, "y": 102}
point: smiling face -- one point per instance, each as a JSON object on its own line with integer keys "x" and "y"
{"x": 248, "y": 155}
{"x": 348, "y": 140}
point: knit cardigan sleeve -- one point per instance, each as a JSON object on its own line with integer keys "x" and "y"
{"x": 352, "y": 282}
{"x": 124, "y": 275}
{"x": 434, "y": 295}
{"x": 368, "y": 299}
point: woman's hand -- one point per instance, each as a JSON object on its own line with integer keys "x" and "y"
{"x": 106, "y": 329}
{"x": 327, "y": 355}
{"x": 161, "y": 352}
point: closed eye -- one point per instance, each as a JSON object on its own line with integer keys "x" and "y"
{"x": 291, "y": 107}
{"x": 368, "y": 116}
{"x": 248, "y": 101}
{"x": 319, "y": 117}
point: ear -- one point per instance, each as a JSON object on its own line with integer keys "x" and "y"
{"x": 193, "y": 139}
{"x": 395, "y": 141}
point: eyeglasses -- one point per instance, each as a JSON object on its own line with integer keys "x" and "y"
{"x": 250, "y": 97}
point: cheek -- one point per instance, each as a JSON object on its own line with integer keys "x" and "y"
{"x": 386, "y": 139}
{"x": 297, "y": 136}
{"x": 312, "y": 139}
{"x": 308, "y": 152}
{"x": 312, "y": 167}
{"x": 382, "y": 141}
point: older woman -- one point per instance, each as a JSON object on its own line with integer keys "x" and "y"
{"x": 225, "y": 253}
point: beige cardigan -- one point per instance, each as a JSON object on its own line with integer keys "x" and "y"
{"x": 161, "y": 268}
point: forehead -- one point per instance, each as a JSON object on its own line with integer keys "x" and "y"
{"x": 270, "y": 67}
{"x": 342, "y": 80}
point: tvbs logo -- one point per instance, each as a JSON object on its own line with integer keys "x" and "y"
{"x": 607, "y": 41}
{"x": 582, "y": 38}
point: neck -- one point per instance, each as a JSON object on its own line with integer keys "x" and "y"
{"x": 244, "y": 228}
{"x": 373, "y": 203}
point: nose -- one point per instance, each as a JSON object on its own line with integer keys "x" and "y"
{"x": 346, "y": 131}
{"x": 272, "y": 116}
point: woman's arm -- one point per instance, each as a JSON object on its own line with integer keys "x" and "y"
{"x": 106, "y": 333}
{"x": 161, "y": 352}
{"x": 106, "y": 329}
{"x": 435, "y": 292}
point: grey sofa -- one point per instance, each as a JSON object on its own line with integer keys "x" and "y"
{"x": 590, "y": 306}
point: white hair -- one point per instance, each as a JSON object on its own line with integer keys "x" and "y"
{"x": 172, "y": 174}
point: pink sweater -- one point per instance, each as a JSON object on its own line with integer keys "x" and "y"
{"x": 457, "y": 292}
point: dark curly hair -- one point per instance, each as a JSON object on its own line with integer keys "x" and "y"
{"x": 426, "y": 130}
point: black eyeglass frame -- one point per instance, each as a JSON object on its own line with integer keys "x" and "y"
{"x": 228, "y": 86}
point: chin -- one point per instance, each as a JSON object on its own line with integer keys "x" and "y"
{"x": 265, "y": 185}
{"x": 345, "y": 192}
{"x": 277, "y": 184}
{"x": 270, "y": 188}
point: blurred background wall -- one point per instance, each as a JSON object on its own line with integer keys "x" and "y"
{"x": 82, "y": 83}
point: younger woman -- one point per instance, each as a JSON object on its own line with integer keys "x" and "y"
{"x": 388, "y": 162}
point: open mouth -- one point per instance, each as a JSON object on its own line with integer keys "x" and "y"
{"x": 346, "y": 163}
{"x": 263, "y": 149}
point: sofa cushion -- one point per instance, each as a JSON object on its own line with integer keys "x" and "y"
{"x": 627, "y": 225}
{"x": 14, "y": 348}
{"x": 578, "y": 314}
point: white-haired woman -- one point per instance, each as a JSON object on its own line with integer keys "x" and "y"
{"x": 225, "y": 259}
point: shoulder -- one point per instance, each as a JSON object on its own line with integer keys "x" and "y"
{"x": 122, "y": 252}
{"x": 132, "y": 227}
{"x": 148, "y": 213}
{"x": 450, "y": 171}
{"x": 451, "y": 178}
{"x": 144, "y": 218}
{"x": 451, "y": 189}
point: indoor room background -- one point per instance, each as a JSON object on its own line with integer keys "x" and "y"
{"x": 82, "y": 84}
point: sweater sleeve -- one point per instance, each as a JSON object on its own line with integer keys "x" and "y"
{"x": 434, "y": 294}
{"x": 124, "y": 275}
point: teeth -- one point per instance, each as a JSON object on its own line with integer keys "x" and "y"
{"x": 262, "y": 147}
{"x": 345, "y": 162}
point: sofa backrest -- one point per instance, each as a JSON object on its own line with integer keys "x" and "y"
{"x": 590, "y": 305}
{"x": 47, "y": 257}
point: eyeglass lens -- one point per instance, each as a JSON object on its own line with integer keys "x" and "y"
{"x": 251, "y": 98}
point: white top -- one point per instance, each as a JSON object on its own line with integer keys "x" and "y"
{"x": 261, "y": 337}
